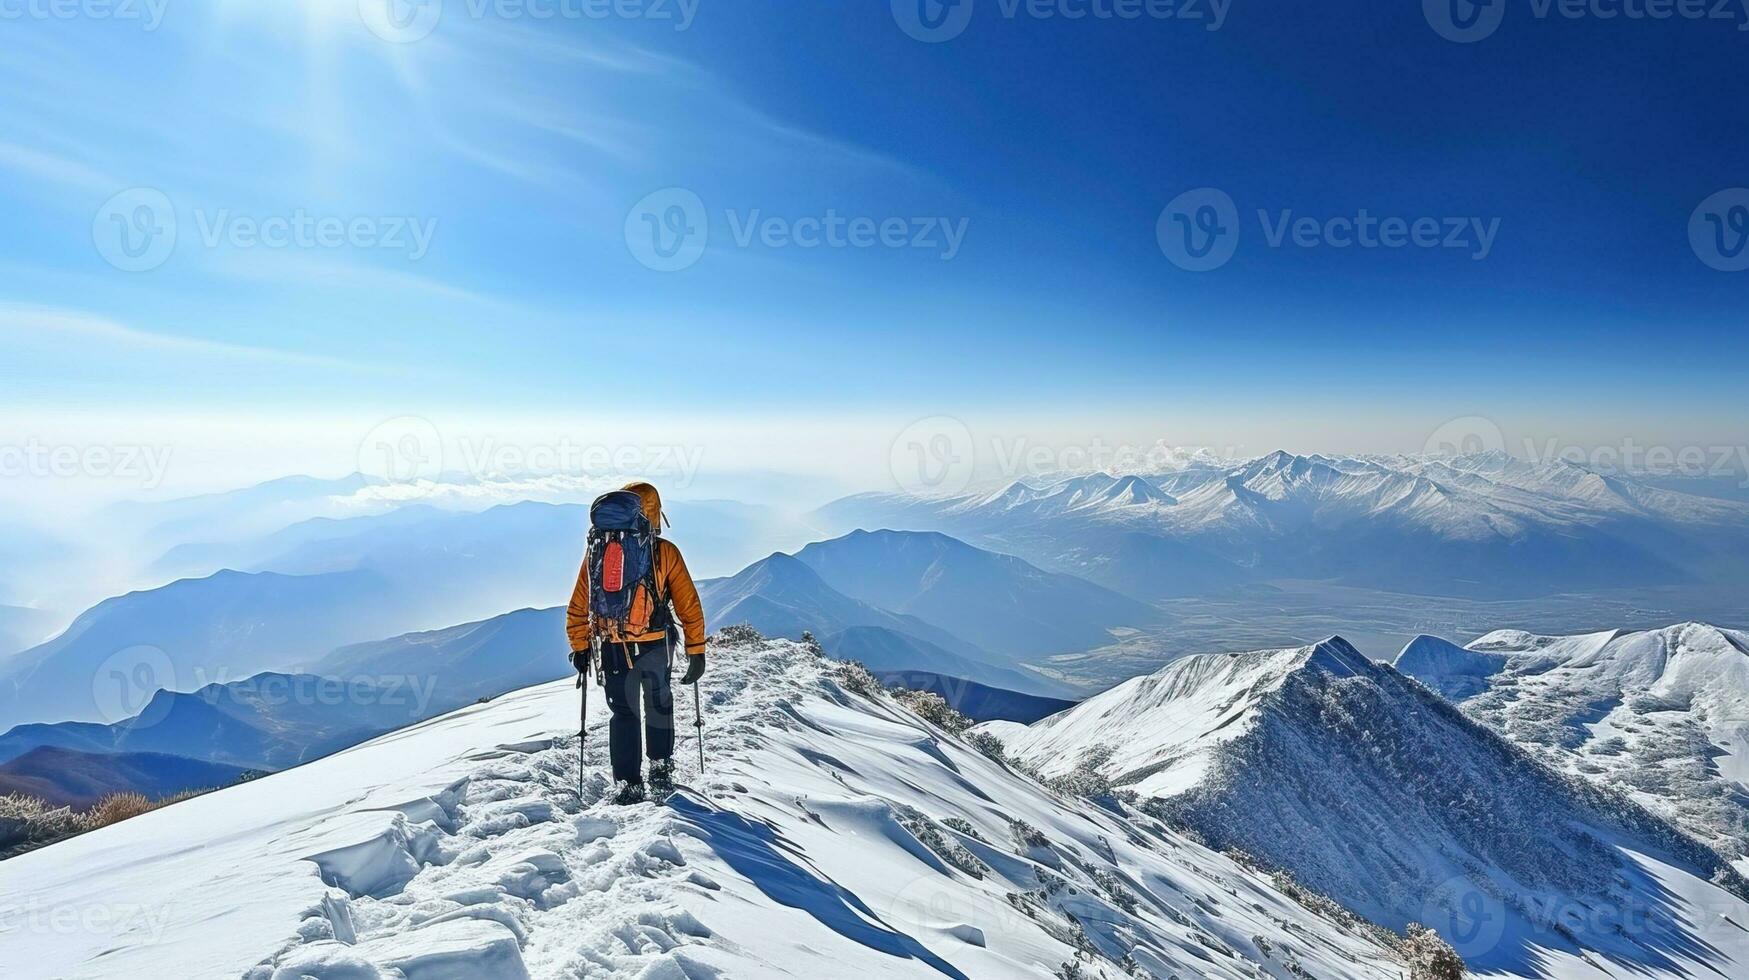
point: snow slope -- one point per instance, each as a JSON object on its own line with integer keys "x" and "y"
{"x": 818, "y": 845}
{"x": 1370, "y": 788}
{"x": 1662, "y": 715}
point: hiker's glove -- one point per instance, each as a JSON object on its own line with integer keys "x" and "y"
{"x": 694, "y": 668}
{"x": 580, "y": 661}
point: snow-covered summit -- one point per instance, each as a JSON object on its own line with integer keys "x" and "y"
{"x": 1662, "y": 715}
{"x": 836, "y": 834}
{"x": 1374, "y": 790}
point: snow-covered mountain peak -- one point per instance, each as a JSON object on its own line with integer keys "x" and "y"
{"x": 1132, "y": 491}
{"x": 1172, "y": 720}
{"x": 1661, "y": 715}
{"x": 1375, "y": 791}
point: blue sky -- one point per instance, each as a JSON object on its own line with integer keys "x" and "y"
{"x": 521, "y": 147}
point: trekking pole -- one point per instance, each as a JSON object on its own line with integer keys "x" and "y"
{"x": 583, "y": 728}
{"x": 589, "y": 664}
{"x": 698, "y": 723}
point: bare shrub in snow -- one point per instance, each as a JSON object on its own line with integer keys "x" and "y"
{"x": 964, "y": 826}
{"x": 739, "y": 635}
{"x": 988, "y": 744}
{"x": 1026, "y": 836}
{"x": 1428, "y": 956}
{"x": 934, "y": 709}
{"x": 1085, "y": 780}
{"x": 1114, "y": 889}
{"x": 858, "y": 680}
{"x": 115, "y": 808}
{"x": 27, "y": 823}
{"x": 951, "y": 851}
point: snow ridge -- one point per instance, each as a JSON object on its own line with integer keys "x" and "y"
{"x": 1371, "y": 789}
{"x": 837, "y": 833}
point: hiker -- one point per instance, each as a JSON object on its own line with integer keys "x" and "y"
{"x": 632, "y": 589}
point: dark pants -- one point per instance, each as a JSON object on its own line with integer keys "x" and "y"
{"x": 645, "y": 680}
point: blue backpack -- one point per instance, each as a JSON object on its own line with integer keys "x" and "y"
{"x": 623, "y": 598}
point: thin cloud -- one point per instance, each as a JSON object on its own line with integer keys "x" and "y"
{"x": 55, "y": 169}
{"x": 40, "y": 322}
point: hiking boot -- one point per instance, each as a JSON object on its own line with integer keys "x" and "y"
{"x": 661, "y": 777}
{"x": 629, "y": 793}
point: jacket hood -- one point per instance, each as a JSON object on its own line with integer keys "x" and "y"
{"x": 652, "y": 502}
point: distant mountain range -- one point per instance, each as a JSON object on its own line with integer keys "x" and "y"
{"x": 1486, "y": 526}
{"x": 464, "y": 663}
{"x": 269, "y": 721}
{"x": 227, "y": 626}
{"x": 1371, "y": 789}
{"x": 1660, "y": 715}
{"x": 510, "y": 553}
{"x": 998, "y": 602}
{"x": 63, "y": 777}
{"x": 21, "y": 627}
{"x": 923, "y": 601}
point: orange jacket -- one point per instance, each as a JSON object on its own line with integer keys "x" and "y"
{"x": 672, "y": 581}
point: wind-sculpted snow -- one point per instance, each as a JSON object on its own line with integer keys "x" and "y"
{"x": 1662, "y": 715}
{"x": 836, "y": 834}
{"x": 1369, "y": 788}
